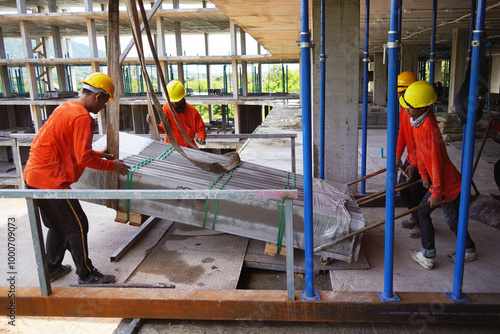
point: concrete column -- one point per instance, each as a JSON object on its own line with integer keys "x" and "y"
{"x": 458, "y": 63}
{"x": 379, "y": 80}
{"x": 209, "y": 81}
{"x": 409, "y": 58}
{"x": 341, "y": 125}
{"x": 495, "y": 75}
{"x": 178, "y": 45}
{"x": 4, "y": 73}
{"x": 61, "y": 75}
{"x": 244, "y": 75}
{"x": 437, "y": 71}
{"x": 161, "y": 50}
{"x": 234, "y": 62}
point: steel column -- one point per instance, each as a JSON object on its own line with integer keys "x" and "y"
{"x": 364, "y": 129}
{"x": 305, "y": 57}
{"x": 37, "y": 236}
{"x": 388, "y": 293}
{"x": 456, "y": 294}
{"x": 322, "y": 59}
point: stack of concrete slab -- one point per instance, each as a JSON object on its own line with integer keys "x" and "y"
{"x": 335, "y": 211}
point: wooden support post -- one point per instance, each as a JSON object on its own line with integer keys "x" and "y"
{"x": 113, "y": 109}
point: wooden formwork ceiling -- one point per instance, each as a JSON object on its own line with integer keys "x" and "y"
{"x": 275, "y": 24}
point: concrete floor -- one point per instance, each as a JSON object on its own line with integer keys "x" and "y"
{"x": 480, "y": 276}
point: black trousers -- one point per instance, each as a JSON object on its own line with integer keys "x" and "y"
{"x": 68, "y": 227}
{"x": 450, "y": 213}
{"x": 412, "y": 196}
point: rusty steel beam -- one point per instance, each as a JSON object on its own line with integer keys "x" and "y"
{"x": 258, "y": 305}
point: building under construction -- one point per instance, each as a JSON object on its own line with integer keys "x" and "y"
{"x": 312, "y": 201}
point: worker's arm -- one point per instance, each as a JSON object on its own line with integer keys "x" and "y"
{"x": 400, "y": 148}
{"x": 201, "y": 132}
{"x": 83, "y": 128}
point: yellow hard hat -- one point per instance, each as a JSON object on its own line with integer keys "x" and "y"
{"x": 176, "y": 90}
{"x": 419, "y": 94}
{"x": 100, "y": 82}
{"x": 405, "y": 79}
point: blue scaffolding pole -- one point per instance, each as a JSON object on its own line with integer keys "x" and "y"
{"x": 305, "y": 56}
{"x": 463, "y": 217}
{"x": 366, "y": 61}
{"x": 433, "y": 42}
{"x": 388, "y": 294}
{"x": 322, "y": 59}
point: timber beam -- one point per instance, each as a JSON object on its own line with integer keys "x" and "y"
{"x": 257, "y": 305}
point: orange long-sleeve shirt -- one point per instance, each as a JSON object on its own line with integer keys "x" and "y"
{"x": 190, "y": 120}
{"x": 62, "y": 149}
{"x": 405, "y": 138}
{"x": 434, "y": 162}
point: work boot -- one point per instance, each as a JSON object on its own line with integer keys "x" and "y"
{"x": 59, "y": 272}
{"x": 469, "y": 256}
{"x": 96, "y": 277}
{"x": 415, "y": 232}
{"x": 409, "y": 223}
{"x": 426, "y": 262}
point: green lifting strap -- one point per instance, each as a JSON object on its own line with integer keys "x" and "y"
{"x": 206, "y": 205}
{"x": 281, "y": 227}
{"x": 217, "y": 204}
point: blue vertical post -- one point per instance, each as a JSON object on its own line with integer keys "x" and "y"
{"x": 463, "y": 217}
{"x": 400, "y": 25}
{"x": 433, "y": 42}
{"x": 366, "y": 61}
{"x": 388, "y": 294}
{"x": 305, "y": 56}
{"x": 322, "y": 59}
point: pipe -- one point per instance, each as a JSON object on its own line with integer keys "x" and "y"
{"x": 305, "y": 57}
{"x": 364, "y": 229}
{"x": 392, "y": 45}
{"x": 469, "y": 153}
{"x": 367, "y": 176}
{"x": 364, "y": 135}
{"x": 433, "y": 43}
{"x": 322, "y": 59}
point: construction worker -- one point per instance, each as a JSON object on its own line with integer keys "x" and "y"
{"x": 413, "y": 195}
{"x": 439, "y": 174}
{"x": 189, "y": 118}
{"x": 60, "y": 152}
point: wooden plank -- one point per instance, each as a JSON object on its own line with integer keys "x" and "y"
{"x": 261, "y": 305}
{"x": 272, "y": 249}
{"x": 135, "y": 219}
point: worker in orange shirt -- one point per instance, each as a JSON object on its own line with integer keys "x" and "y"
{"x": 413, "y": 195}
{"x": 189, "y": 118}
{"x": 60, "y": 152}
{"x": 440, "y": 176}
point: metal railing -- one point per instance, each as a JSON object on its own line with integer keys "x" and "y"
{"x": 36, "y": 228}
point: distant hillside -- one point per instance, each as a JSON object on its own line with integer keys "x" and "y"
{"x": 14, "y": 49}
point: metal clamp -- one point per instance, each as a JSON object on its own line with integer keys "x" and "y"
{"x": 393, "y": 45}
{"x": 305, "y": 44}
{"x": 476, "y": 43}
